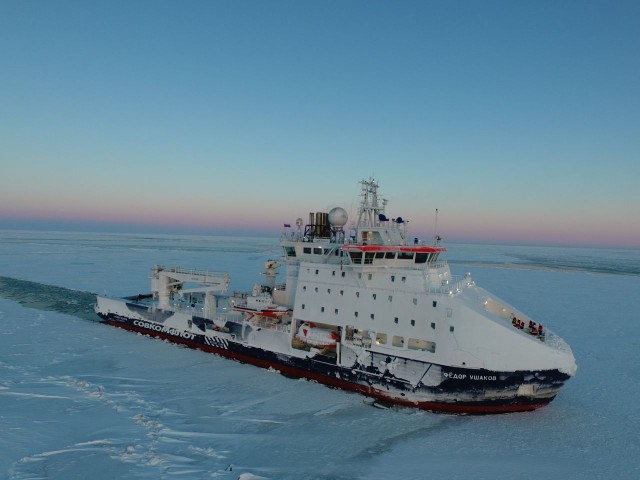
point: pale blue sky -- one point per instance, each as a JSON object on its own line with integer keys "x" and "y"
{"x": 519, "y": 121}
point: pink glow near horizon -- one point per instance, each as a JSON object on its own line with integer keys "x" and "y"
{"x": 459, "y": 228}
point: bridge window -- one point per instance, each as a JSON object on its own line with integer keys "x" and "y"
{"x": 381, "y": 338}
{"x": 290, "y": 251}
{"x": 421, "y": 257}
{"x": 356, "y": 257}
{"x": 397, "y": 341}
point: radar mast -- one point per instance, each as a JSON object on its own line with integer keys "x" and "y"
{"x": 370, "y": 213}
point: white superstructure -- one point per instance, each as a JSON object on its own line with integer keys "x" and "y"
{"x": 364, "y": 310}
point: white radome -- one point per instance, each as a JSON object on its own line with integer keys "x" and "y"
{"x": 338, "y": 217}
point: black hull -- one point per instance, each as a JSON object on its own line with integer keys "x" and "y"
{"x": 476, "y": 387}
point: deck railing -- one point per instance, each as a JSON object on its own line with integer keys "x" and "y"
{"x": 195, "y": 271}
{"x": 452, "y": 285}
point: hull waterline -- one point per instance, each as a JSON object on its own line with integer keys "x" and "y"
{"x": 331, "y": 376}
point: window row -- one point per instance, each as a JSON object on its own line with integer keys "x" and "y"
{"x": 403, "y": 278}
{"x": 370, "y": 257}
{"x": 374, "y": 296}
{"x": 356, "y": 314}
{"x": 361, "y": 337}
{"x": 320, "y": 251}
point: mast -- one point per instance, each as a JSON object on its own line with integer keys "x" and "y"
{"x": 370, "y": 213}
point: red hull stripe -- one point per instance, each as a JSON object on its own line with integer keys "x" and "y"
{"x": 465, "y": 408}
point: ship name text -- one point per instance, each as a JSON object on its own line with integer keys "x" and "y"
{"x": 464, "y": 376}
{"x": 164, "y": 329}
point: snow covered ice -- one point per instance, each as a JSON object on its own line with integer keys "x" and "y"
{"x": 79, "y": 399}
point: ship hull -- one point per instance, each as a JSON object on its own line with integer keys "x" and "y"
{"x": 460, "y": 391}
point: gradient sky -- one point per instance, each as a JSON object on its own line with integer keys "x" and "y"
{"x": 518, "y": 120}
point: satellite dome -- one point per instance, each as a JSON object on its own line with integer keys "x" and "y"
{"x": 338, "y": 217}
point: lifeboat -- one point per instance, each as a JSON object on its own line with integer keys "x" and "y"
{"x": 318, "y": 337}
{"x": 262, "y": 305}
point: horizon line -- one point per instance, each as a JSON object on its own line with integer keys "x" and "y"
{"x": 127, "y": 229}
